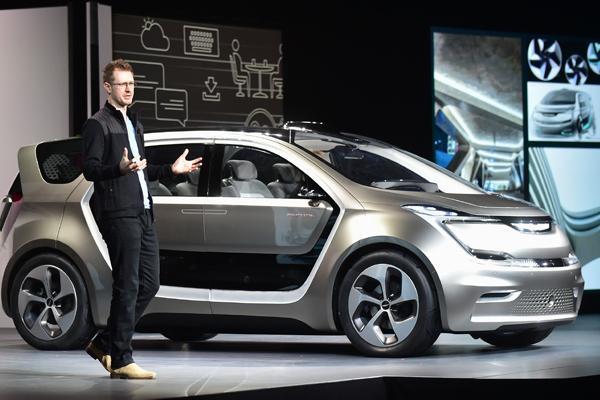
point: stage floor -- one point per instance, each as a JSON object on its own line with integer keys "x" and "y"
{"x": 236, "y": 363}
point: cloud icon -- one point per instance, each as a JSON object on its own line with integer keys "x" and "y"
{"x": 153, "y": 37}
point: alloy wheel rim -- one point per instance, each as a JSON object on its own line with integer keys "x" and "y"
{"x": 383, "y": 305}
{"x": 47, "y": 302}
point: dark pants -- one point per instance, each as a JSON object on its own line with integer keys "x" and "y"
{"x": 133, "y": 249}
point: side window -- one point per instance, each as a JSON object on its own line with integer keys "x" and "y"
{"x": 60, "y": 161}
{"x": 178, "y": 185}
{"x": 251, "y": 172}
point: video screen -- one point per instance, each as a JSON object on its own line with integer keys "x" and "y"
{"x": 201, "y": 75}
{"x": 484, "y": 85}
{"x": 478, "y": 109}
{"x": 564, "y": 182}
{"x": 563, "y": 90}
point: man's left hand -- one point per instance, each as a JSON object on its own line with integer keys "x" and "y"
{"x": 183, "y": 166}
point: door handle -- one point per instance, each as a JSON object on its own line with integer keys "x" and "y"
{"x": 192, "y": 211}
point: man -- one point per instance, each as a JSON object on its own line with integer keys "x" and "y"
{"x": 123, "y": 208}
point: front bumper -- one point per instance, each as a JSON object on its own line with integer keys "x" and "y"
{"x": 490, "y": 297}
{"x": 550, "y": 127}
{"x": 491, "y": 276}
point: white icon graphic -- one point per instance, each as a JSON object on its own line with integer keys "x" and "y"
{"x": 576, "y": 70}
{"x": 153, "y": 37}
{"x": 593, "y": 57}
{"x": 211, "y": 85}
{"x": 276, "y": 77}
{"x": 172, "y": 105}
{"x": 200, "y": 41}
{"x": 260, "y": 118}
{"x": 148, "y": 76}
{"x": 241, "y": 73}
{"x": 544, "y": 58}
{"x": 240, "y": 77}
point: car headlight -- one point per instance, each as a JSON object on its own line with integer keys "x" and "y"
{"x": 474, "y": 234}
{"x": 433, "y": 211}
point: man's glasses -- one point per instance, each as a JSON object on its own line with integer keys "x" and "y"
{"x": 123, "y": 84}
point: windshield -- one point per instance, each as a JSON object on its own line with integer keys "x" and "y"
{"x": 371, "y": 162}
{"x": 563, "y": 96}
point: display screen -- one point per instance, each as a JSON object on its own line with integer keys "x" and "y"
{"x": 484, "y": 84}
{"x": 192, "y": 74}
{"x": 478, "y": 104}
{"x": 563, "y": 90}
{"x": 564, "y": 182}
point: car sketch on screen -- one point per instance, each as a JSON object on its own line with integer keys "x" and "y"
{"x": 564, "y": 112}
{"x": 297, "y": 230}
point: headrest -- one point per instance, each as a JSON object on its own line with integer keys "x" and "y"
{"x": 287, "y": 173}
{"x": 242, "y": 170}
{"x": 194, "y": 177}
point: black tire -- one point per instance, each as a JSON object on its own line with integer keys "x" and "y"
{"x": 187, "y": 336}
{"x": 427, "y": 326}
{"x": 516, "y": 339}
{"x": 82, "y": 328}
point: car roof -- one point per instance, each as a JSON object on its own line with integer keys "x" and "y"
{"x": 288, "y": 133}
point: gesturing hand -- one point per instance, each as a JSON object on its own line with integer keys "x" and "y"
{"x": 126, "y": 165}
{"x": 183, "y": 166}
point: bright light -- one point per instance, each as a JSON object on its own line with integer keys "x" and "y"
{"x": 429, "y": 210}
{"x": 531, "y": 226}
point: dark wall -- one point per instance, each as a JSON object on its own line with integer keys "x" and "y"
{"x": 363, "y": 69}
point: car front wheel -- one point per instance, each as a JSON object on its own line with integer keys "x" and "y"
{"x": 387, "y": 306}
{"x": 516, "y": 339}
{"x": 49, "y": 304}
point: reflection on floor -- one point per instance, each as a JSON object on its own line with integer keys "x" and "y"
{"x": 239, "y": 363}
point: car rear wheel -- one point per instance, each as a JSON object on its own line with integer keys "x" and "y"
{"x": 387, "y": 306}
{"x": 49, "y": 304}
{"x": 187, "y": 336}
{"x": 518, "y": 338}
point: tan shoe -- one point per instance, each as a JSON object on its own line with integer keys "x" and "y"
{"x": 97, "y": 354}
{"x": 132, "y": 371}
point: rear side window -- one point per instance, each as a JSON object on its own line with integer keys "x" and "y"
{"x": 60, "y": 161}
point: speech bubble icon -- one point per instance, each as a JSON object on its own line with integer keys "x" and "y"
{"x": 148, "y": 76}
{"x": 172, "y": 105}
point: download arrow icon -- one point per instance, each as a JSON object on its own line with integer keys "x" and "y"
{"x": 211, "y": 84}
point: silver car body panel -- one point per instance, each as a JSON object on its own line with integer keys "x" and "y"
{"x": 474, "y": 294}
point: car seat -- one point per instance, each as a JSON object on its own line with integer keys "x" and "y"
{"x": 190, "y": 186}
{"x": 158, "y": 189}
{"x": 288, "y": 183}
{"x": 242, "y": 181}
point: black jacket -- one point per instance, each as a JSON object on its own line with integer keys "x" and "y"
{"x": 104, "y": 137}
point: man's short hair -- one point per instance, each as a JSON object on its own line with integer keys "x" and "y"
{"x": 119, "y": 64}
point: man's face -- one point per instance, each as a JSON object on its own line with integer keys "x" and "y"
{"x": 120, "y": 90}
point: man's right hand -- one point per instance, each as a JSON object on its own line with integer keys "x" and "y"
{"x": 126, "y": 165}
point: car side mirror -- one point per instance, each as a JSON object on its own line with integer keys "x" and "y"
{"x": 312, "y": 194}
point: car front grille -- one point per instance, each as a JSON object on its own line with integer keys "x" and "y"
{"x": 545, "y": 302}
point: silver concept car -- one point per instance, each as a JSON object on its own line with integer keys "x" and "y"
{"x": 292, "y": 230}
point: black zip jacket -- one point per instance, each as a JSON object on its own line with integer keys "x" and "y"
{"x": 104, "y": 137}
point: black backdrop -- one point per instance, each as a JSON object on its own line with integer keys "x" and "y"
{"x": 362, "y": 67}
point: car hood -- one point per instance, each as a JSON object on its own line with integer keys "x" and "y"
{"x": 555, "y": 108}
{"x": 475, "y": 204}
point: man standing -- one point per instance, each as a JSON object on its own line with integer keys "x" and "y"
{"x": 123, "y": 208}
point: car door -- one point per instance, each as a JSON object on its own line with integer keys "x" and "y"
{"x": 179, "y": 223}
{"x": 258, "y": 241}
